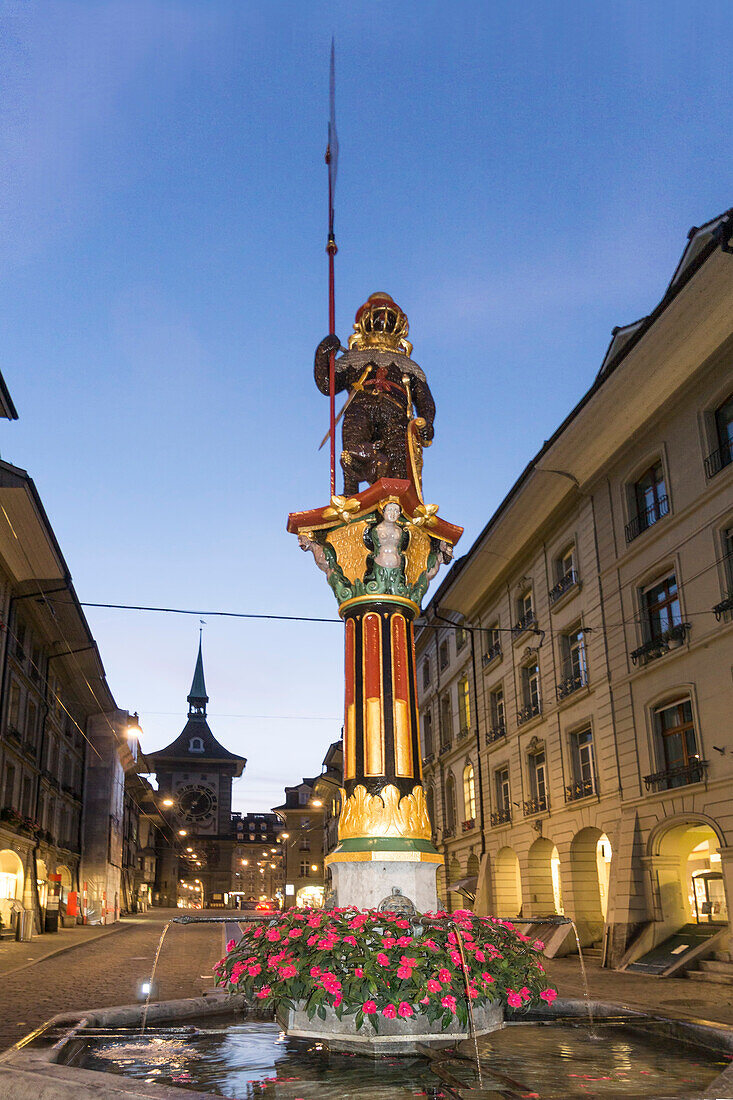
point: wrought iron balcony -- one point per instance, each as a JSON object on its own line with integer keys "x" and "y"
{"x": 661, "y": 644}
{"x": 527, "y": 622}
{"x": 725, "y": 605}
{"x": 647, "y": 518}
{"x": 535, "y": 806}
{"x": 569, "y": 684}
{"x": 14, "y": 734}
{"x": 676, "y": 777}
{"x": 492, "y": 654}
{"x": 444, "y": 749}
{"x": 581, "y": 789}
{"x": 564, "y": 585}
{"x": 466, "y": 826}
{"x": 715, "y": 462}
{"x": 501, "y": 817}
{"x": 495, "y": 733}
{"x": 528, "y": 712}
{"x": 464, "y": 731}
{"x": 448, "y": 832}
{"x": 428, "y": 758}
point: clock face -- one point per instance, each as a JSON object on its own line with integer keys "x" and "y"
{"x": 196, "y": 803}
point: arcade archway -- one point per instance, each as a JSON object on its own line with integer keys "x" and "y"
{"x": 507, "y": 883}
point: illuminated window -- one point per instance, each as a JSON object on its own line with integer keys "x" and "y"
{"x": 469, "y": 792}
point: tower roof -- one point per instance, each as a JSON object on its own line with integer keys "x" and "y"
{"x": 197, "y": 694}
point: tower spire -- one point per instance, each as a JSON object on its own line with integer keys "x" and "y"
{"x": 197, "y": 697}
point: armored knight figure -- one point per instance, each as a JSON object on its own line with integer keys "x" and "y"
{"x": 386, "y": 391}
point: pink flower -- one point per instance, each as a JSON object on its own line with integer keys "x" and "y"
{"x": 480, "y": 957}
{"x": 538, "y": 945}
{"x": 314, "y": 921}
{"x": 424, "y": 1001}
{"x": 337, "y": 1000}
{"x": 455, "y": 958}
{"x": 231, "y": 944}
{"x": 254, "y": 969}
{"x": 351, "y": 940}
{"x": 431, "y": 944}
{"x": 514, "y": 999}
{"x": 369, "y": 1008}
{"x": 264, "y": 992}
{"x": 288, "y": 971}
{"x": 433, "y": 986}
{"x": 405, "y": 1009}
{"x": 325, "y": 945}
{"x": 402, "y": 924}
{"x": 315, "y": 972}
{"x": 389, "y": 1011}
{"x": 294, "y": 933}
{"x": 450, "y": 1002}
{"x": 388, "y": 941}
{"x": 407, "y": 961}
{"x": 404, "y": 972}
{"x": 486, "y": 977}
{"x": 525, "y": 993}
{"x": 472, "y": 993}
{"x": 444, "y": 975}
{"x": 548, "y": 995}
{"x": 403, "y": 941}
{"x": 257, "y": 933}
{"x": 358, "y": 972}
{"x": 272, "y": 934}
{"x": 382, "y": 959}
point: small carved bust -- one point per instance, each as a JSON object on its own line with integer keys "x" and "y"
{"x": 389, "y": 538}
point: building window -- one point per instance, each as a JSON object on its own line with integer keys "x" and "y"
{"x": 537, "y": 767}
{"x": 446, "y": 722}
{"x": 469, "y": 793}
{"x": 20, "y": 640}
{"x": 649, "y": 501}
{"x": 677, "y": 746}
{"x": 531, "y": 699}
{"x": 661, "y": 620}
{"x": 493, "y": 644}
{"x": 723, "y": 453}
{"x": 525, "y": 613}
{"x": 461, "y": 638}
{"x": 430, "y": 801}
{"x": 498, "y": 718}
{"x": 503, "y": 812}
{"x": 425, "y": 675}
{"x": 25, "y": 806}
{"x": 31, "y": 722}
{"x": 726, "y": 604}
{"x": 196, "y": 744}
{"x": 427, "y": 726}
{"x": 574, "y": 663}
{"x": 14, "y": 708}
{"x": 305, "y": 868}
{"x": 443, "y": 656}
{"x": 450, "y": 806}
{"x": 566, "y": 571}
{"x": 464, "y": 704}
{"x": 9, "y": 787}
{"x": 583, "y": 764}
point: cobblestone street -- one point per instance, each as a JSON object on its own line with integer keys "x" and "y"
{"x": 108, "y": 970}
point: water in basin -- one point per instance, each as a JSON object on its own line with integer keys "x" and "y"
{"x": 253, "y": 1060}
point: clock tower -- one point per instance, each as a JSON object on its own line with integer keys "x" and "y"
{"x": 195, "y": 773}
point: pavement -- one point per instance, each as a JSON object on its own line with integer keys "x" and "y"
{"x": 101, "y": 966}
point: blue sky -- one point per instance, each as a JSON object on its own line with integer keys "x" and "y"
{"x": 520, "y": 177}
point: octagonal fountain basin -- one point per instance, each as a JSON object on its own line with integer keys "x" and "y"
{"x": 205, "y": 1047}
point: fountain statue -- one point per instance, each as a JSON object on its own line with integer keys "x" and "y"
{"x": 380, "y": 547}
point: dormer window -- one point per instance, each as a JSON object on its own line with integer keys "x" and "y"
{"x": 196, "y": 744}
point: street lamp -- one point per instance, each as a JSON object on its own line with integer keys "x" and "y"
{"x": 183, "y": 832}
{"x": 133, "y": 726}
{"x": 168, "y": 802}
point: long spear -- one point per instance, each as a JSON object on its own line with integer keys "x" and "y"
{"x": 332, "y": 153}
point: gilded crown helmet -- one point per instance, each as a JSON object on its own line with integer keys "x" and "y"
{"x": 381, "y": 324}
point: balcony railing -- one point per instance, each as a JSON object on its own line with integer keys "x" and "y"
{"x": 527, "y": 622}
{"x": 464, "y": 731}
{"x": 495, "y": 733}
{"x": 676, "y": 777}
{"x": 725, "y": 605}
{"x": 428, "y": 758}
{"x": 466, "y": 826}
{"x": 535, "y": 806}
{"x": 564, "y": 585}
{"x": 444, "y": 749}
{"x": 448, "y": 832}
{"x": 501, "y": 817}
{"x": 661, "y": 644}
{"x": 528, "y": 712}
{"x": 715, "y": 462}
{"x": 14, "y": 733}
{"x": 569, "y": 684}
{"x": 581, "y": 789}
{"x": 647, "y": 518}
{"x": 491, "y": 654}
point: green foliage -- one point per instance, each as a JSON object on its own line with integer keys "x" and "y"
{"x": 372, "y": 964}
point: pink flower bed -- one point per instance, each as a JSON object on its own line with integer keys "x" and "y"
{"x": 371, "y": 964}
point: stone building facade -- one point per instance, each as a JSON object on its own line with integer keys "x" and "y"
{"x": 575, "y": 668}
{"x": 258, "y": 874}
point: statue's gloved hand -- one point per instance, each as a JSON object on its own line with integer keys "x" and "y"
{"x": 330, "y": 343}
{"x": 427, "y": 433}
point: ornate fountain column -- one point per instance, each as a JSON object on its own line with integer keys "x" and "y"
{"x": 379, "y": 549}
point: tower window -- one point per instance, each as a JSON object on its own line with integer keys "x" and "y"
{"x": 196, "y": 744}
